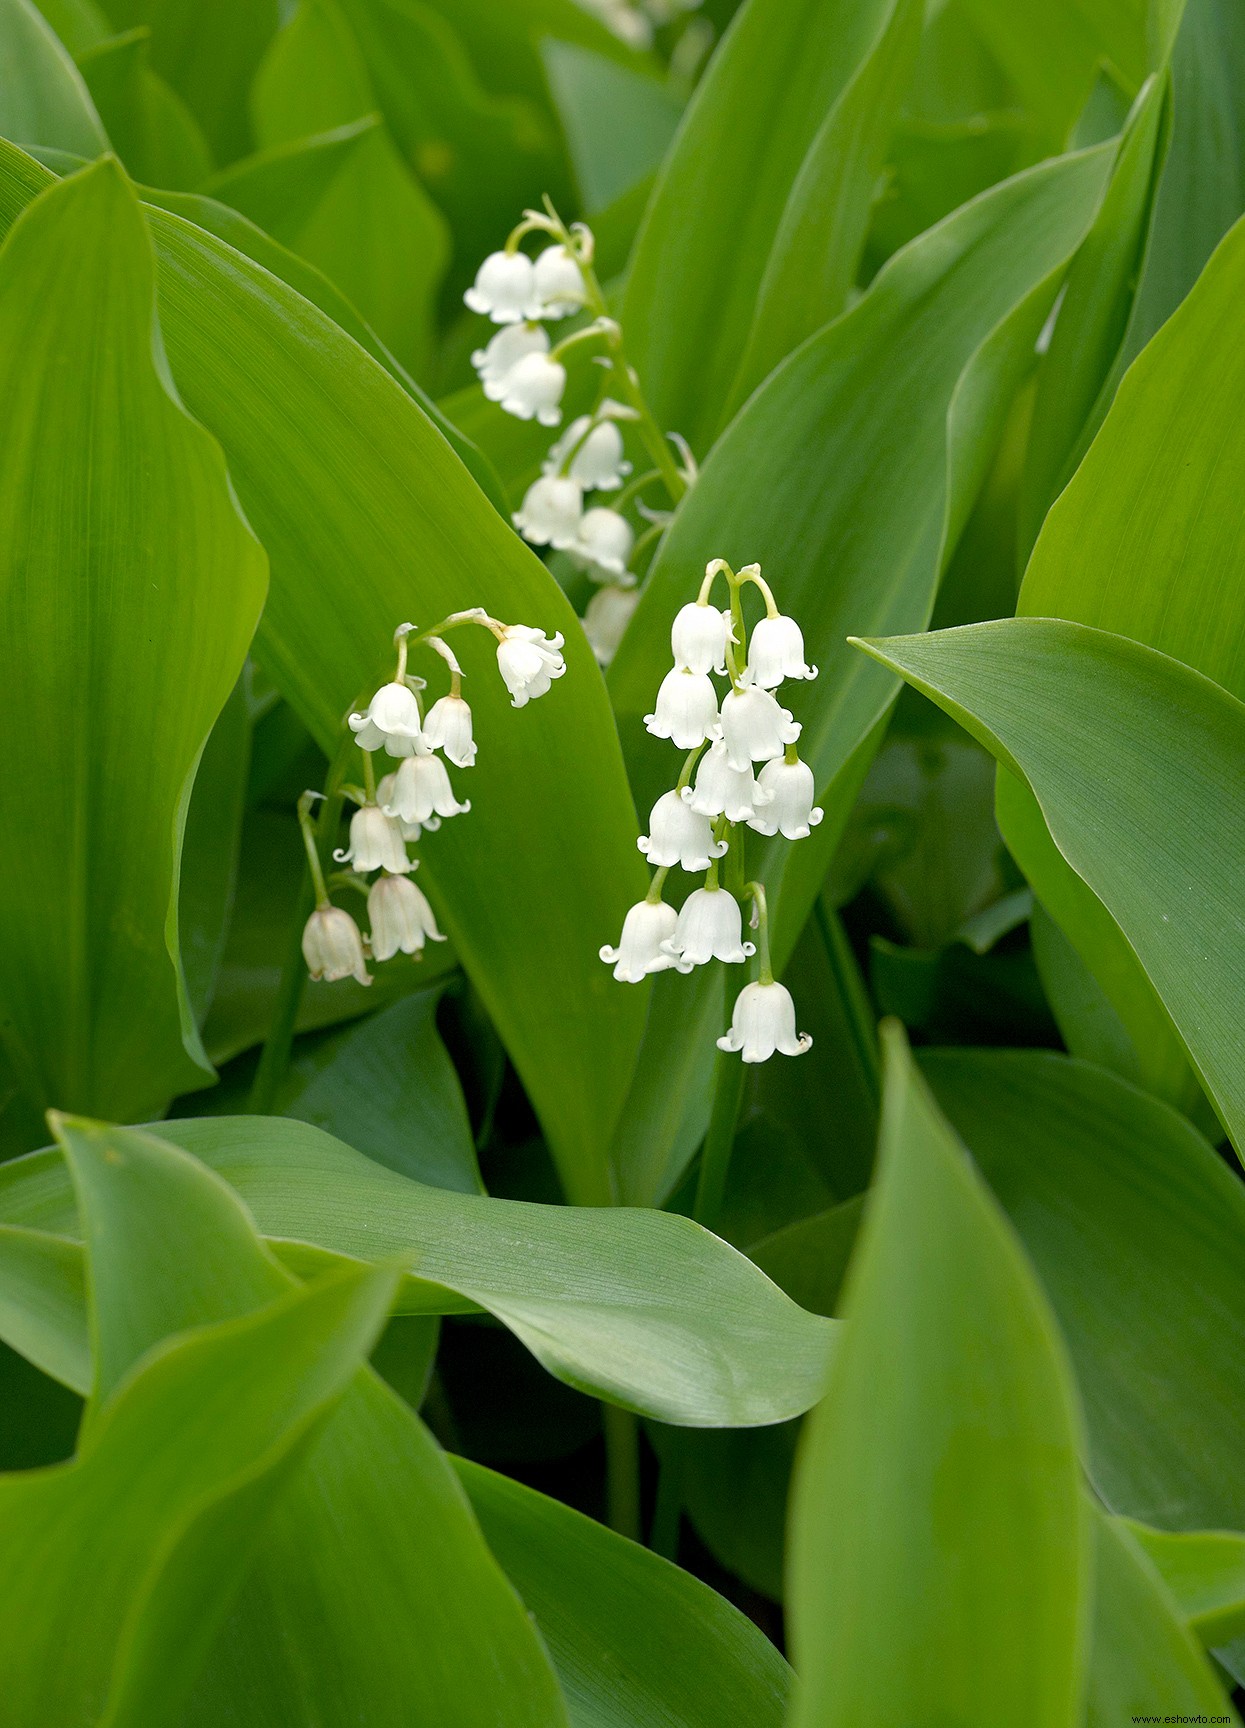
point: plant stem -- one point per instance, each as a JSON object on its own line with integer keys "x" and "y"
{"x": 622, "y": 1469}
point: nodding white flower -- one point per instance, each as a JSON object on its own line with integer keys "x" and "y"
{"x": 598, "y": 462}
{"x": 400, "y": 916}
{"x": 529, "y": 661}
{"x": 410, "y": 830}
{"x": 558, "y": 284}
{"x": 603, "y": 542}
{"x": 687, "y": 708}
{"x": 710, "y": 927}
{"x": 755, "y": 728}
{"x": 723, "y": 790}
{"x": 776, "y": 651}
{"x": 333, "y": 947}
{"x": 376, "y": 840}
{"x": 698, "y": 637}
{"x": 679, "y": 835}
{"x": 392, "y": 719}
{"x": 504, "y": 288}
{"x": 606, "y": 618}
{"x": 421, "y": 788}
{"x": 790, "y": 810}
{"x": 447, "y": 727}
{"x": 496, "y": 362}
{"x": 551, "y": 512}
{"x": 532, "y": 389}
{"x": 641, "y": 948}
{"x": 764, "y": 1021}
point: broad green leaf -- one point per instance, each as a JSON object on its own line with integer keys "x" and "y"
{"x": 80, "y": 24}
{"x": 1205, "y": 1572}
{"x": 937, "y": 165}
{"x": 1074, "y": 712}
{"x": 815, "y": 253}
{"x": 95, "y": 1002}
{"x": 1137, "y": 1230}
{"x": 370, "y": 226}
{"x": 643, "y": 1308}
{"x": 369, "y": 518}
{"x": 209, "y": 55}
{"x": 151, "y": 128}
{"x": 281, "y": 188}
{"x": 372, "y": 1535}
{"x": 848, "y": 476}
{"x": 618, "y": 122}
{"x": 637, "y": 1643}
{"x": 1053, "y": 54}
{"x": 939, "y": 1542}
{"x": 210, "y": 847}
{"x": 43, "y": 99}
{"x": 1144, "y": 1659}
{"x": 703, "y": 247}
{"x": 388, "y": 1088}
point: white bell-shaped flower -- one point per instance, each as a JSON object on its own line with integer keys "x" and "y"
{"x": 558, "y": 284}
{"x": 755, "y": 727}
{"x": 598, "y": 462}
{"x": 641, "y": 947}
{"x": 686, "y": 710}
{"x": 698, "y": 637}
{"x": 333, "y": 947}
{"x": 606, "y": 618}
{"x": 421, "y": 788}
{"x": 551, "y": 512}
{"x": 410, "y": 830}
{"x": 495, "y": 363}
{"x": 447, "y": 727}
{"x": 723, "y": 790}
{"x": 400, "y": 916}
{"x": 710, "y": 927}
{"x": 392, "y": 718}
{"x": 677, "y": 834}
{"x": 504, "y": 288}
{"x": 532, "y": 389}
{"x": 764, "y": 1021}
{"x": 529, "y": 661}
{"x": 776, "y": 651}
{"x": 790, "y": 810}
{"x": 603, "y": 542}
{"x": 376, "y": 840}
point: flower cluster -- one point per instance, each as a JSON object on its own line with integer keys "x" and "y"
{"x": 526, "y": 375}
{"x": 720, "y": 794}
{"x": 416, "y": 795}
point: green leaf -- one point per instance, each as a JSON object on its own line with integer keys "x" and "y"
{"x": 95, "y": 1001}
{"x": 210, "y": 849}
{"x": 813, "y": 261}
{"x": 1137, "y": 1229}
{"x": 939, "y": 1564}
{"x": 1053, "y": 55}
{"x": 643, "y": 1308}
{"x": 1145, "y": 1661}
{"x": 1205, "y": 1572}
{"x": 153, "y": 131}
{"x": 43, "y": 99}
{"x": 618, "y": 122}
{"x": 358, "y": 543}
{"x": 79, "y": 23}
{"x": 703, "y": 247}
{"x": 637, "y": 1643}
{"x": 388, "y": 1088}
{"x": 1073, "y": 711}
{"x": 848, "y": 476}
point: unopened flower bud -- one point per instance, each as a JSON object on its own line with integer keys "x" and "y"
{"x": 710, "y": 927}
{"x": 764, "y": 1021}
{"x": 698, "y": 637}
{"x": 400, "y": 916}
{"x": 333, "y": 947}
{"x": 551, "y": 512}
{"x": 606, "y": 618}
{"x": 642, "y": 947}
{"x": 679, "y": 835}
{"x": 529, "y": 661}
{"x": 686, "y": 709}
{"x": 790, "y": 811}
{"x": 504, "y": 287}
{"x": 755, "y": 728}
{"x": 776, "y": 651}
{"x": 421, "y": 789}
{"x": 447, "y": 728}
